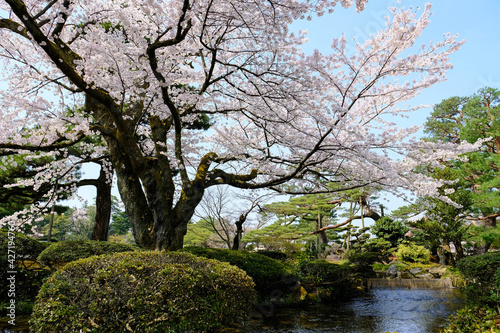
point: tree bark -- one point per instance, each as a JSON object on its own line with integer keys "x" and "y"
{"x": 459, "y": 249}
{"x": 367, "y": 213}
{"x": 239, "y": 232}
{"x": 103, "y": 207}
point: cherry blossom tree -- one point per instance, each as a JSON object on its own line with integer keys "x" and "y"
{"x": 143, "y": 73}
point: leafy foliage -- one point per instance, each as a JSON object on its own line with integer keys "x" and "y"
{"x": 67, "y": 251}
{"x": 268, "y": 274}
{"x": 481, "y": 274}
{"x": 387, "y": 229}
{"x": 459, "y": 119}
{"x": 411, "y": 252}
{"x": 319, "y": 271}
{"x": 198, "y": 234}
{"x": 143, "y": 292}
{"x": 120, "y": 224}
{"x": 28, "y": 279}
{"x": 474, "y": 319}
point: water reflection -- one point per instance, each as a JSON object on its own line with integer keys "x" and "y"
{"x": 383, "y": 310}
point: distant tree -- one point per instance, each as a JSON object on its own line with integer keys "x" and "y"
{"x": 442, "y": 224}
{"x": 390, "y": 230}
{"x": 308, "y": 213}
{"x": 120, "y": 224}
{"x": 227, "y": 212}
{"x": 199, "y": 234}
{"x": 473, "y": 118}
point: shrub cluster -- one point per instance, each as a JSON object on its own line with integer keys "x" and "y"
{"x": 328, "y": 281}
{"x": 474, "y": 319}
{"x": 321, "y": 271}
{"x": 482, "y": 275}
{"x": 143, "y": 292}
{"x": 29, "y": 276}
{"x": 26, "y": 248}
{"x": 67, "y": 251}
{"x": 411, "y": 252}
{"x": 268, "y": 274}
{"x": 277, "y": 255}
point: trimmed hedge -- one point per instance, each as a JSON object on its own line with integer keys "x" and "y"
{"x": 68, "y": 251}
{"x": 143, "y": 292}
{"x": 28, "y": 279}
{"x": 481, "y": 274}
{"x": 268, "y": 274}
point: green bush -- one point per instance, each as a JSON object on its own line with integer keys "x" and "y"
{"x": 320, "y": 271}
{"x": 276, "y": 255}
{"x": 480, "y": 273}
{"x": 268, "y": 274}
{"x": 26, "y": 248}
{"x": 387, "y": 229}
{"x": 411, "y": 252}
{"x": 473, "y": 319}
{"x": 328, "y": 281}
{"x": 143, "y": 292}
{"x": 30, "y": 276}
{"x": 67, "y": 251}
{"x": 363, "y": 262}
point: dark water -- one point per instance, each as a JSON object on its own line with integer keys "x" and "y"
{"x": 383, "y": 310}
{"x": 21, "y": 325}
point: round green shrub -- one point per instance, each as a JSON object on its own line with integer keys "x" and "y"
{"x": 67, "y": 251}
{"x": 411, "y": 252}
{"x": 30, "y": 276}
{"x": 480, "y": 273}
{"x": 143, "y": 292}
{"x": 268, "y": 274}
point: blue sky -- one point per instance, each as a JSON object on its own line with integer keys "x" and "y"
{"x": 476, "y": 64}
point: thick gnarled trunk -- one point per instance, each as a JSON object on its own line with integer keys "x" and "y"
{"x": 103, "y": 207}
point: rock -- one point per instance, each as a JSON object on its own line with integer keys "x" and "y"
{"x": 425, "y": 276}
{"x": 392, "y": 271}
{"x": 298, "y": 295}
{"x": 438, "y": 271}
{"x": 334, "y": 258}
{"x": 405, "y": 275}
{"x": 416, "y": 270}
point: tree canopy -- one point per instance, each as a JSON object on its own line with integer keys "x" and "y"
{"x": 143, "y": 75}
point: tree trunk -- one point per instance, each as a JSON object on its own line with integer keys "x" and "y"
{"x": 239, "y": 232}
{"x": 460, "y": 250}
{"x": 322, "y": 235}
{"x": 103, "y": 207}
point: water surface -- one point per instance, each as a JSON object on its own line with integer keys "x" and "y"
{"x": 383, "y": 310}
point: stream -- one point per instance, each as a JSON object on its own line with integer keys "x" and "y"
{"x": 383, "y": 310}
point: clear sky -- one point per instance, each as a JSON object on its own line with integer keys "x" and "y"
{"x": 476, "y": 64}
